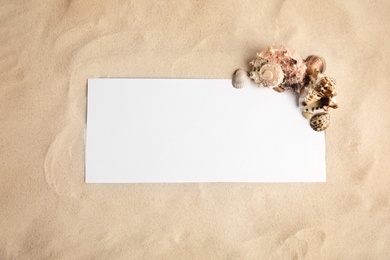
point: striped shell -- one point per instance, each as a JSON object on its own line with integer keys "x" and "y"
{"x": 240, "y": 78}
{"x": 320, "y": 122}
{"x": 316, "y": 62}
{"x": 319, "y": 94}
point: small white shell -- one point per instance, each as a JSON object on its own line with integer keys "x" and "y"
{"x": 240, "y": 78}
{"x": 320, "y": 122}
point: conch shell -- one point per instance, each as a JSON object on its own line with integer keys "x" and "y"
{"x": 291, "y": 64}
{"x": 319, "y": 94}
{"x": 240, "y": 78}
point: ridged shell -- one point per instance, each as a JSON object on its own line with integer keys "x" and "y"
{"x": 240, "y": 78}
{"x": 325, "y": 87}
{"x": 320, "y": 122}
{"x": 316, "y": 62}
{"x": 318, "y": 94}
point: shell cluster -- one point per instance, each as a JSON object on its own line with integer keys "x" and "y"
{"x": 282, "y": 70}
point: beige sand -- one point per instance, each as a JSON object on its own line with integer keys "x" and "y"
{"x": 48, "y": 50}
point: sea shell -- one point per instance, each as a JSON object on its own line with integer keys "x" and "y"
{"x": 319, "y": 94}
{"x": 270, "y": 75}
{"x": 320, "y": 122}
{"x": 307, "y": 115}
{"x": 292, "y": 65}
{"x": 316, "y": 62}
{"x": 240, "y": 78}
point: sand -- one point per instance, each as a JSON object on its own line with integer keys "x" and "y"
{"x": 48, "y": 49}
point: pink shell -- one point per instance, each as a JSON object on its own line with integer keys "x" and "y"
{"x": 293, "y": 66}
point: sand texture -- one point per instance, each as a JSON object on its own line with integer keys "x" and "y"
{"x": 48, "y": 50}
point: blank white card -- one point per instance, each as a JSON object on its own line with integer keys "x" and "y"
{"x": 196, "y": 130}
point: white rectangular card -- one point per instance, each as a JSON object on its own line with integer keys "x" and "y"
{"x": 197, "y": 130}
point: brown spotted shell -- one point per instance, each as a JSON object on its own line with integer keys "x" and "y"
{"x": 316, "y": 62}
{"x": 240, "y": 78}
{"x": 320, "y": 122}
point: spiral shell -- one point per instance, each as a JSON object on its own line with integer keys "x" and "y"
{"x": 316, "y": 62}
{"x": 291, "y": 64}
{"x": 320, "y": 121}
{"x": 271, "y": 75}
{"x": 240, "y": 78}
